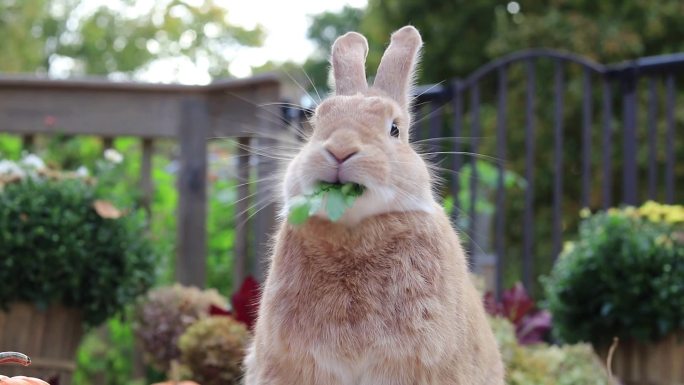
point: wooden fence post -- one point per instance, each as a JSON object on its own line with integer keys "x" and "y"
{"x": 192, "y": 187}
{"x": 271, "y": 126}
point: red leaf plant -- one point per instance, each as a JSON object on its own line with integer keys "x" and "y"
{"x": 245, "y": 303}
{"x": 531, "y": 324}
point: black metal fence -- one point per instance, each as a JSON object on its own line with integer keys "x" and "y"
{"x": 573, "y": 133}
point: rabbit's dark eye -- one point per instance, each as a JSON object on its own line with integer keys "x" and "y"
{"x": 394, "y": 131}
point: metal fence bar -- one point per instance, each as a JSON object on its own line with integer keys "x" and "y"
{"x": 629, "y": 115}
{"x": 501, "y": 155}
{"x": 586, "y": 136}
{"x": 558, "y": 156}
{"x": 436, "y": 114}
{"x": 670, "y": 153}
{"x": 456, "y": 157}
{"x": 607, "y": 144}
{"x": 652, "y": 131}
{"x": 475, "y": 138}
{"x": 528, "y": 219}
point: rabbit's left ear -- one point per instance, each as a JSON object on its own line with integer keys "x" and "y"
{"x": 397, "y": 66}
{"x": 349, "y": 63}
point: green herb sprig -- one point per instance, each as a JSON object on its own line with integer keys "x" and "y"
{"x": 337, "y": 198}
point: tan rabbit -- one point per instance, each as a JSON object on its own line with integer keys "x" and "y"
{"x": 383, "y": 296}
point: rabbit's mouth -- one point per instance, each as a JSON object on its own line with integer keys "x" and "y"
{"x": 345, "y": 188}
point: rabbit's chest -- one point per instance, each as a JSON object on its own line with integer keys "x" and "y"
{"x": 341, "y": 305}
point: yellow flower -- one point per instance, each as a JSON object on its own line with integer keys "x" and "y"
{"x": 675, "y": 216}
{"x": 654, "y": 217}
{"x": 585, "y": 212}
{"x": 568, "y": 246}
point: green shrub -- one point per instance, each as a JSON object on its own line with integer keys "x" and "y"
{"x": 56, "y": 248}
{"x": 623, "y": 277}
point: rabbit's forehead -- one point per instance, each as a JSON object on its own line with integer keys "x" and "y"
{"x": 357, "y": 107}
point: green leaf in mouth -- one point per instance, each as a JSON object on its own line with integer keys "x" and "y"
{"x": 337, "y": 198}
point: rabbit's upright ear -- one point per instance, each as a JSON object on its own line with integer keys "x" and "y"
{"x": 397, "y": 66}
{"x": 349, "y": 63}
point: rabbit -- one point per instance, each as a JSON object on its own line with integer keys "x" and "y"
{"x": 383, "y": 296}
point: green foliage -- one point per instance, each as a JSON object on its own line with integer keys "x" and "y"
{"x": 606, "y": 31}
{"x": 543, "y": 364}
{"x": 336, "y": 197}
{"x": 221, "y": 235}
{"x": 105, "y": 355}
{"x": 118, "y": 39}
{"x": 55, "y": 248}
{"x": 487, "y": 182}
{"x": 624, "y": 277}
{"x": 10, "y": 146}
{"x": 213, "y": 349}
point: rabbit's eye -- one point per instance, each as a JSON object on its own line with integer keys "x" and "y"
{"x": 394, "y": 130}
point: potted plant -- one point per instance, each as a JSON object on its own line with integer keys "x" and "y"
{"x": 68, "y": 259}
{"x": 624, "y": 277}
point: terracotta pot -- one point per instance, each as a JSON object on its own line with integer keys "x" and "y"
{"x": 50, "y": 337}
{"x": 658, "y": 363}
{"x": 21, "y": 380}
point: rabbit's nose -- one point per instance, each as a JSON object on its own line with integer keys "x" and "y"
{"x": 341, "y": 154}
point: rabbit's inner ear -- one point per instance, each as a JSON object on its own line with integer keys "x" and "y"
{"x": 397, "y": 66}
{"x": 348, "y": 62}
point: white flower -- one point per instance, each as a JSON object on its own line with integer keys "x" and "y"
{"x": 12, "y": 169}
{"x": 82, "y": 171}
{"x": 33, "y": 162}
{"x": 113, "y": 156}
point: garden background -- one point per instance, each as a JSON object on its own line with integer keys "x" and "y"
{"x": 46, "y": 37}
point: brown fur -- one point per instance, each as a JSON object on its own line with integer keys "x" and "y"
{"x": 383, "y": 296}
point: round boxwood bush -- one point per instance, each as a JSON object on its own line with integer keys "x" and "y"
{"x": 56, "y": 249}
{"x": 624, "y": 277}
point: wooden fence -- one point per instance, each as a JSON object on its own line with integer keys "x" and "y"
{"x": 190, "y": 115}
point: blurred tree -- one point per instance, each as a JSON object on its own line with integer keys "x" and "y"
{"x": 456, "y": 29}
{"x": 324, "y": 29}
{"x": 606, "y": 31}
{"x": 121, "y": 37}
{"x": 463, "y": 34}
